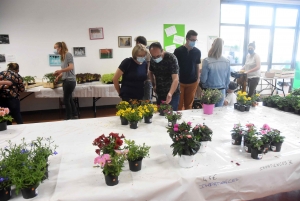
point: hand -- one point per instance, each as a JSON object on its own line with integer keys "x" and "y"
{"x": 246, "y": 72}
{"x": 225, "y": 103}
{"x": 56, "y": 80}
{"x": 9, "y": 83}
{"x": 58, "y": 72}
{"x": 169, "y": 98}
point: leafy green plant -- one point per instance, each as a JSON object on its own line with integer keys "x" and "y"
{"x": 267, "y": 99}
{"x": 108, "y": 78}
{"x": 296, "y": 104}
{"x": 237, "y": 131}
{"x": 173, "y": 116}
{"x": 283, "y": 102}
{"x": 256, "y": 142}
{"x": 4, "y": 115}
{"x": 29, "y": 79}
{"x": 164, "y": 106}
{"x": 202, "y": 132}
{"x": 49, "y": 77}
{"x": 210, "y": 96}
{"x": 136, "y": 152}
{"x": 296, "y": 92}
{"x": 274, "y": 99}
{"x": 249, "y": 132}
{"x": 111, "y": 165}
{"x": 276, "y": 137}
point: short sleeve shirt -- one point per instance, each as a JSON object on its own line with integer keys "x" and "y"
{"x": 70, "y": 75}
{"x": 251, "y": 62}
{"x": 163, "y": 72}
{"x": 17, "y": 86}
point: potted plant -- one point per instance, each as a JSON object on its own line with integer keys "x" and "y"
{"x": 164, "y": 107}
{"x": 173, "y": 117}
{"x": 5, "y": 181}
{"x": 28, "y": 80}
{"x": 257, "y": 147}
{"x": 112, "y": 167}
{"x": 249, "y": 132}
{"x": 296, "y": 105}
{"x": 4, "y": 117}
{"x": 266, "y": 137}
{"x": 108, "y": 144}
{"x": 237, "y": 134}
{"x": 185, "y": 144}
{"x": 273, "y": 100}
{"x": 282, "y": 102}
{"x": 50, "y": 78}
{"x": 107, "y": 78}
{"x": 254, "y": 99}
{"x": 121, "y": 107}
{"x": 266, "y": 100}
{"x": 242, "y": 100}
{"x": 277, "y": 140}
{"x": 209, "y": 98}
{"x": 135, "y": 154}
{"x": 133, "y": 115}
{"x": 204, "y": 133}
{"x": 149, "y": 109}
{"x": 176, "y": 129}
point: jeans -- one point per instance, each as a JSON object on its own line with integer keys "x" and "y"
{"x": 221, "y": 102}
{"x": 174, "y": 102}
{"x": 187, "y": 95}
{"x": 13, "y": 104}
{"x": 252, "y": 84}
{"x": 68, "y": 88}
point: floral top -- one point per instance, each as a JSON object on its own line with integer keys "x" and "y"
{"x": 14, "y": 90}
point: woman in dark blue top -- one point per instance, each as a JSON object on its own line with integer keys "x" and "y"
{"x": 134, "y": 73}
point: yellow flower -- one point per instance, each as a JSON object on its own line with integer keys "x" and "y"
{"x": 249, "y": 98}
{"x": 132, "y": 111}
{"x": 239, "y": 92}
{"x": 257, "y": 94}
{"x": 244, "y": 93}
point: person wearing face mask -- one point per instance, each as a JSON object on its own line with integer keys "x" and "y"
{"x": 164, "y": 66}
{"x": 252, "y": 69}
{"x": 67, "y": 73}
{"x": 189, "y": 59}
{"x": 134, "y": 73}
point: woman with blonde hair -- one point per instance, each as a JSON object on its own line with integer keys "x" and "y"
{"x": 216, "y": 70}
{"x": 67, "y": 73}
{"x": 134, "y": 72}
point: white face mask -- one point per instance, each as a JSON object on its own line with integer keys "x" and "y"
{"x": 55, "y": 51}
{"x": 157, "y": 60}
{"x": 140, "y": 59}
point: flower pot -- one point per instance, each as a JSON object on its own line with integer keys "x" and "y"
{"x": 247, "y": 108}
{"x": 274, "y": 105}
{"x": 135, "y": 166}
{"x": 124, "y": 121}
{"x": 236, "y": 141}
{"x": 286, "y": 109}
{"x": 3, "y": 126}
{"x": 276, "y": 146}
{"x": 256, "y": 154}
{"x": 161, "y": 113}
{"x": 148, "y": 120}
{"x": 133, "y": 125}
{"x": 266, "y": 148}
{"x": 186, "y": 161}
{"x": 269, "y": 104}
{"x": 111, "y": 180}
{"x": 5, "y": 194}
{"x": 242, "y": 108}
{"x": 203, "y": 146}
{"x": 171, "y": 123}
{"x": 208, "y": 108}
{"x": 296, "y": 111}
{"x": 247, "y": 147}
{"x": 264, "y": 103}
{"x": 30, "y": 192}
{"x": 236, "y": 105}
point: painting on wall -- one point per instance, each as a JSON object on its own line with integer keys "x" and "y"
{"x": 54, "y": 60}
{"x": 106, "y": 53}
{"x": 79, "y": 51}
{"x": 125, "y": 41}
{"x": 2, "y": 58}
{"x": 4, "y": 39}
{"x": 96, "y": 33}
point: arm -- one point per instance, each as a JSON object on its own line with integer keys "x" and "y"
{"x": 57, "y": 78}
{"x": 228, "y": 77}
{"x": 21, "y": 87}
{"x": 116, "y": 77}
{"x": 198, "y": 72}
{"x": 152, "y": 79}
{"x": 70, "y": 67}
{"x": 204, "y": 72}
{"x": 8, "y": 83}
{"x": 175, "y": 82}
{"x": 257, "y": 67}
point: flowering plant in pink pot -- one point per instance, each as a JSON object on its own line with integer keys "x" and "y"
{"x": 4, "y": 117}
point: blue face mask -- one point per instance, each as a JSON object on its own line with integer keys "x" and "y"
{"x": 158, "y": 59}
{"x": 140, "y": 59}
{"x": 192, "y": 43}
{"x": 55, "y": 51}
{"x": 251, "y": 51}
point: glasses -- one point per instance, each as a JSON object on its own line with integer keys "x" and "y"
{"x": 153, "y": 57}
{"x": 193, "y": 40}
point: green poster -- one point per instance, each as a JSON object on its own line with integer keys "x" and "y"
{"x": 174, "y": 36}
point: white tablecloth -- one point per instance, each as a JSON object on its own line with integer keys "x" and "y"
{"x": 72, "y": 176}
{"x": 93, "y": 89}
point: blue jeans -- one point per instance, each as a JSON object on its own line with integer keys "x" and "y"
{"x": 174, "y": 102}
{"x": 221, "y": 102}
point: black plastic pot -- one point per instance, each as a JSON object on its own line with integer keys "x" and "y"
{"x": 296, "y": 111}
{"x": 247, "y": 108}
{"x": 30, "y": 192}
{"x": 264, "y": 103}
{"x": 269, "y": 104}
{"x": 124, "y": 121}
{"x": 236, "y": 105}
{"x": 111, "y": 180}
{"x": 161, "y": 113}
{"x": 274, "y": 105}
{"x": 5, "y": 194}
{"x": 256, "y": 154}
{"x": 266, "y": 148}
{"x": 135, "y": 166}
{"x": 276, "y": 146}
{"x": 286, "y": 109}
{"x": 171, "y": 123}
{"x": 148, "y": 120}
{"x": 247, "y": 147}
{"x": 3, "y": 126}
{"x": 236, "y": 141}
{"x": 242, "y": 108}
{"x": 133, "y": 125}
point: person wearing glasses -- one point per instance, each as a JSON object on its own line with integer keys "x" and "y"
{"x": 189, "y": 59}
{"x": 164, "y": 66}
{"x": 252, "y": 69}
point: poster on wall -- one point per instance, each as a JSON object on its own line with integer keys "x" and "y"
{"x": 2, "y": 58}
{"x": 149, "y": 42}
{"x": 54, "y": 60}
{"x": 174, "y": 36}
{"x": 79, "y": 51}
{"x": 4, "y": 39}
{"x": 210, "y": 40}
{"x": 106, "y": 53}
{"x": 125, "y": 41}
{"x": 96, "y": 33}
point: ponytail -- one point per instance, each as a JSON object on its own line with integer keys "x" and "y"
{"x": 63, "y": 50}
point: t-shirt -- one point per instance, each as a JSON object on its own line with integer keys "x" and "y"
{"x": 250, "y": 64}
{"x": 70, "y": 75}
{"x": 188, "y": 61}
{"x": 133, "y": 79}
{"x": 163, "y": 72}
{"x": 17, "y": 86}
{"x": 231, "y": 99}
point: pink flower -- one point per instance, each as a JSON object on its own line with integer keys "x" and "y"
{"x": 2, "y": 113}
{"x": 263, "y": 132}
{"x": 189, "y": 123}
{"x": 125, "y": 151}
{"x": 196, "y": 127}
{"x": 235, "y": 125}
{"x": 6, "y": 110}
{"x": 163, "y": 101}
{"x": 266, "y": 127}
{"x": 180, "y": 136}
{"x": 118, "y": 152}
{"x": 176, "y": 125}
{"x": 104, "y": 159}
{"x": 189, "y": 136}
{"x": 175, "y": 129}
{"x": 97, "y": 160}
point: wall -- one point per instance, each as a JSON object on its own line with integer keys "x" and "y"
{"x": 35, "y": 25}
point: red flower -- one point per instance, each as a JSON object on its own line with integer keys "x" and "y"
{"x": 116, "y": 147}
{"x": 122, "y": 136}
{"x": 119, "y": 142}
{"x": 97, "y": 151}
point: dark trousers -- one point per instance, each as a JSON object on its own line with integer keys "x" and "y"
{"x": 252, "y": 84}
{"x": 68, "y": 87}
{"x": 13, "y": 104}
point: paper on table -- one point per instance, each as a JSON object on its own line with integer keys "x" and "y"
{"x": 170, "y": 31}
{"x": 178, "y": 40}
{"x": 170, "y": 48}
{"x": 10, "y": 58}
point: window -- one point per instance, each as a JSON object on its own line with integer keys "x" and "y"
{"x": 233, "y": 14}
{"x": 260, "y": 15}
{"x": 283, "y": 45}
{"x": 286, "y": 17}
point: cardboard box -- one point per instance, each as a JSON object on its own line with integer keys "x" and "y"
{"x": 283, "y": 73}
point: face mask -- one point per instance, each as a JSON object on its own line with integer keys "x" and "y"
{"x": 140, "y": 59}
{"x": 251, "y": 51}
{"x": 158, "y": 59}
{"x": 192, "y": 43}
{"x": 55, "y": 51}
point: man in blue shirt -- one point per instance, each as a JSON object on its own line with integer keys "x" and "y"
{"x": 189, "y": 58}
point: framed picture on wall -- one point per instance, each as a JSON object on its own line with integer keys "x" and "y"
{"x": 79, "y": 51}
{"x": 2, "y": 58}
{"x": 4, "y": 39}
{"x": 106, "y": 53}
{"x": 149, "y": 42}
{"x": 96, "y": 33}
{"x": 54, "y": 60}
{"x": 125, "y": 41}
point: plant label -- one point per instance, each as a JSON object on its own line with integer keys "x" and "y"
{"x": 246, "y": 148}
{"x": 150, "y": 120}
{"x": 273, "y": 148}
{"x": 36, "y": 191}
{"x": 259, "y": 156}
{"x": 170, "y": 124}
{"x": 233, "y": 141}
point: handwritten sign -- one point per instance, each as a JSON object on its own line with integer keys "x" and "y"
{"x": 218, "y": 183}
{"x": 212, "y": 177}
{"x": 274, "y": 165}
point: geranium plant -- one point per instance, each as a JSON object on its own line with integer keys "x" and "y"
{"x": 136, "y": 152}
{"x": 178, "y": 128}
{"x": 237, "y": 131}
{"x": 202, "y": 132}
{"x": 276, "y": 137}
{"x": 4, "y": 115}
{"x": 173, "y": 116}
{"x": 210, "y": 96}
{"x": 249, "y": 132}
{"x": 256, "y": 142}
{"x": 108, "y": 144}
